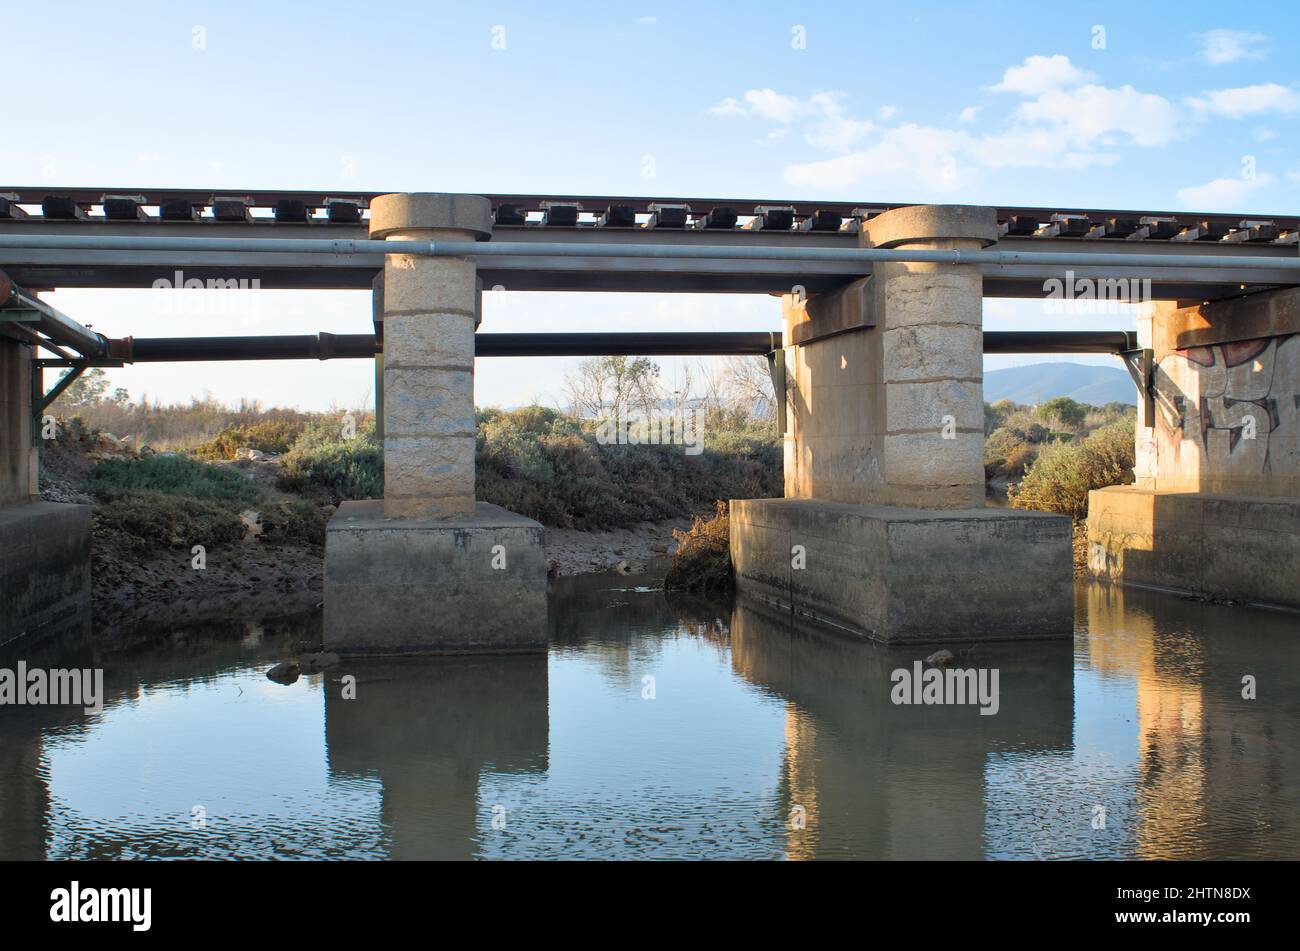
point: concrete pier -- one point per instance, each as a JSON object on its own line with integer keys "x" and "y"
{"x": 883, "y": 530}
{"x": 1215, "y": 510}
{"x": 427, "y": 568}
{"x": 44, "y": 546}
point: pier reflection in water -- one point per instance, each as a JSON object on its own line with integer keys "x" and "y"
{"x": 658, "y": 728}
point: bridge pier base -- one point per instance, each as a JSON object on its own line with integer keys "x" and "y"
{"x": 883, "y": 530}
{"x": 44, "y": 546}
{"x": 428, "y": 568}
{"x": 1215, "y": 510}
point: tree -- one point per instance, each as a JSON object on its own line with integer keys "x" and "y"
{"x": 89, "y": 389}
{"x": 1064, "y": 411}
{"x": 615, "y": 384}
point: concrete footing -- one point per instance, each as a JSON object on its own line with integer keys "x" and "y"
{"x": 44, "y": 567}
{"x": 903, "y": 575}
{"x": 1236, "y": 547}
{"x": 473, "y": 583}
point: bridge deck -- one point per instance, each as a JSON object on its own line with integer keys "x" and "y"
{"x": 666, "y": 223}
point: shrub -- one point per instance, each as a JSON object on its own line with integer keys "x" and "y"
{"x": 1006, "y": 454}
{"x": 146, "y": 520}
{"x": 703, "y": 560}
{"x": 323, "y": 463}
{"x": 1060, "y": 479}
{"x": 274, "y": 435}
{"x": 170, "y": 475}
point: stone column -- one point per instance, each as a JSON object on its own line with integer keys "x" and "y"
{"x": 929, "y": 395}
{"x": 429, "y": 315}
{"x": 427, "y": 569}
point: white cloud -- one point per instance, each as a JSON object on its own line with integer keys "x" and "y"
{"x": 1039, "y": 74}
{"x": 1222, "y": 194}
{"x": 839, "y": 133}
{"x": 913, "y": 155}
{"x": 1247, "y": 100}
{"x": 887, "y": 112}
{"x": 1227, "y": 46}
{"x": 1064, "y": 121}
{"x": 1087, "y": 116}
{"x": 827, "y": 124}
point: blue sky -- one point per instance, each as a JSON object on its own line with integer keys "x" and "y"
{"x": 1191, "y": 106}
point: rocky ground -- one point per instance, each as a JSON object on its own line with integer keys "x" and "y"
{"x": 570, "y": 552}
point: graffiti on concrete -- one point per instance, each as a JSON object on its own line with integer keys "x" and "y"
{"x": 1230, "y": 410}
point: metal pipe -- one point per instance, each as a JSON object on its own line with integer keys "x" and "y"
{"x": 59, "y": 327}
{"x": 728, "y": 343}
{"x": 32, "y": 338}
{"x": 345, "y": 246}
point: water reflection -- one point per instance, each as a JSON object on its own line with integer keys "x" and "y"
{"x": 428, "y": 729}
{"x": 659, "y": 728}
{"x": 879, "y": 780}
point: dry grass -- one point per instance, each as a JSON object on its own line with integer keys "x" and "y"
{"x": 703, "y": 559}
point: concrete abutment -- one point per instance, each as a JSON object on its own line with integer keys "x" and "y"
{"x": 1215, "y": 510}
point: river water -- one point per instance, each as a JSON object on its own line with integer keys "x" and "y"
{"x": 682, "y": 729}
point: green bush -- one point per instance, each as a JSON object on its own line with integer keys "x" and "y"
{"x": 1064, "y": 472}
{"x": 274, "y": 435}
{"x": 323, "y": 463}
{"x": 171, "y": 475}
{"x": 293, "y": 521}
{"x": 146, "y": 520}
{"x": 1007, "y": 453}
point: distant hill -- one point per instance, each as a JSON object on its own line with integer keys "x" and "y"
{"x": 1039, "y": 382}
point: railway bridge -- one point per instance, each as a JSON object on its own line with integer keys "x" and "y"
{"x": 882, "y": 530}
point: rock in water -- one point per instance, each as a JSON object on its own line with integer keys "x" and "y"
{"x": 284, "y": 673}
{"x": 940, "y": 658}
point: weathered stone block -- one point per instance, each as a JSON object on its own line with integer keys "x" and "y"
{"x": 421, "y": 285}
{"x": 928, "y": 459}
{"x": 933, "y": 351}
{"x": 924, "y": 406}
{"x": 420, "y": 340}
{"x": 428, "y": 402}
{"x": 439, "y": 469}
{"x": 398, "y": 585}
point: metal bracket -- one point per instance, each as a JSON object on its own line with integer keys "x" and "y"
{"x": 776, "y": 370}
{"x": 1141, "y": 367}
{"x": 42, "y": 400}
